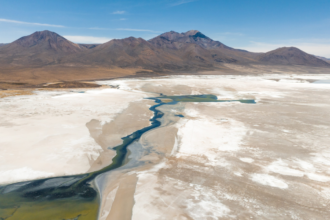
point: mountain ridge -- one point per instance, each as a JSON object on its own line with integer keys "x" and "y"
{"x": 127, "y": 52}
{"x": 170, "y": 51}
{"x": 291, "y": 56}
{"x": 205, "y": 49}
{"x": 192, "y": 36}
{"x": 323, "y": 58}
{"x": 39, "y": 48}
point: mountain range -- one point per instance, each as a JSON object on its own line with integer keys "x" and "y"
{"x": 168, "y": 52}
{"x": 324, "y": 58}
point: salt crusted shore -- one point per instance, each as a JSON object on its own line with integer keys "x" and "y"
{"x": 57, "y": 133}
{"x": 268, "y": 160}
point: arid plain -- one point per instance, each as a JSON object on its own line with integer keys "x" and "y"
{"x": 207, "y": 160}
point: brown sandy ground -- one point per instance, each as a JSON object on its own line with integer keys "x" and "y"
{"x": 123, "y": 203}
{"x": 7, "y": 93}
{"x": 72, "y": 76}
{"x": 30, "y": 77}
{"x": 276, "y": 69}
{"x": 109, "y": 135}
{"x": 157, "y": 143}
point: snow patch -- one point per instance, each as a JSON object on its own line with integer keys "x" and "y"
{"x": 191, "y": 112}
{"x": 318, "y": 177}
{"x": 304, "y": 165}
{"x": 211, "y": 209}
{"x": 246, "y": 159}
{"x": 22, "y": 174}
{"x": 269, "y": 180}
{"x": 206, "y": 137}
{"x": 282, "y": 168}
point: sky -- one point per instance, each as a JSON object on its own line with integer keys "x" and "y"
{"x": 254, "y": 25}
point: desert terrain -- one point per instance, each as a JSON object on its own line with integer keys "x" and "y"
{"x": 46, "y": 57}
{"x": 206, "y": 160}
{"x": 164, "y": 110}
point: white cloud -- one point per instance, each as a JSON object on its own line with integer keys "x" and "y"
{"x": 118, "y": 12}
{"x": 29, "y": 23}
{"x": 315, "y": 47}
{"x": 88, "y": 39}
{"x": 182, "y": 2}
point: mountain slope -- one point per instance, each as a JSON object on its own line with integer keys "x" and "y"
{"x": 39, "y": 48}
{"x": 175, "y": 40}
{"x": 323, "y": 58}
{"x": 128, "y": 52}
{"x": 207, "y": 50}
{"x": 88, "y": 46}
{"x": 291, "y": 56}
{"x": 171, "y": 51}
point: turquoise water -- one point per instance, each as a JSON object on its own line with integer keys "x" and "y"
{"x": 201, "y": 98}
{"x": 75, "y": 197}
{"x": 322, "y": 82}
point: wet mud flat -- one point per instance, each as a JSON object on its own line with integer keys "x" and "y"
{"x": 77, "y": 196}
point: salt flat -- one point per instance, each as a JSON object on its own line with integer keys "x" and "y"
{"x": 236, "y": 161}
{"x": 46, "y": 134}
{"x": 231, "y": 160}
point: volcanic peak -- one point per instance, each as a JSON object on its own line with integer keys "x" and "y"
{"x": 291, "y": 56}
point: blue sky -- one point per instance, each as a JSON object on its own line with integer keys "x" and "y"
{"x": 254, "y": 25}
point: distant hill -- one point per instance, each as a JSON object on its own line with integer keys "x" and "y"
{"x": 39, "y": 48}
{"x": 128, "y": 52}
{"x": 175, "y": 40}
{"x": 323, "y": 58}
{"x": 171, "y": 51}
{"x": 2, "y": 45}
{"x": 193, "y": 46}
{"x": 291, "y": 56}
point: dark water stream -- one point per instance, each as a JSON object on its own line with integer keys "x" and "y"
{"x": 76, "y": 197}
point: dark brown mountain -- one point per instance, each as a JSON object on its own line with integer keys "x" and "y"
{"x": 88, "y": 46}
{"x": 39, "y": 48}
{"x": 128, "y": 52}
{"x": 171, "y": 51}
{"x": 193, "y": 46}
{"x": 174, "y": 40}
{"x": 291, "y": 56}
{"x": 323, "y": 58}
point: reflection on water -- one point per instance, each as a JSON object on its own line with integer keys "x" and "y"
{"x": 75, "y": 197}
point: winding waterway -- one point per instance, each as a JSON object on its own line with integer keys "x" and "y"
{"x": 76, "y": 197}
